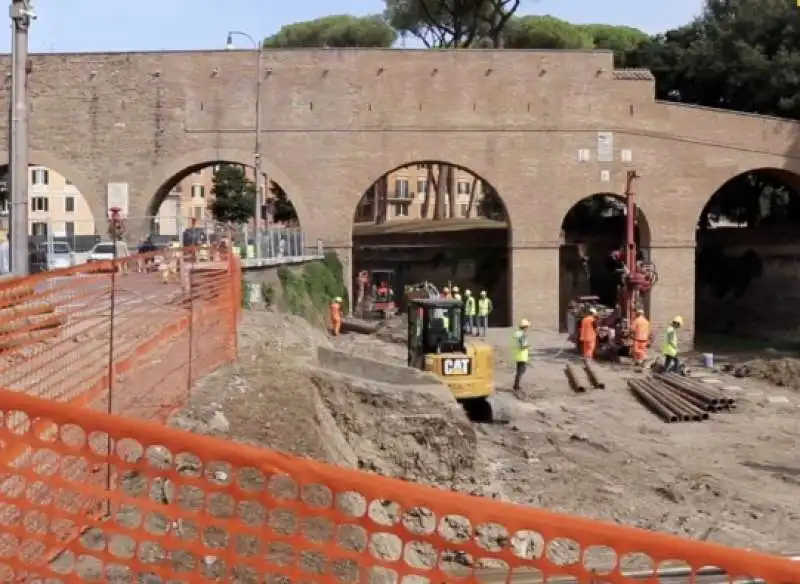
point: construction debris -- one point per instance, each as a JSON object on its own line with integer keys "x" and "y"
{"x": 783, "y": 372}
{"x": 677, "y": 399}
{"x": 582, "y": 379}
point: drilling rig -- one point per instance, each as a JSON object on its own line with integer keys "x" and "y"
{"x": 637, "y": 277}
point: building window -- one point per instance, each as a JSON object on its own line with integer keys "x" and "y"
{"x": 463, "y": 187}
{"x": 198, "y": 212}
{"x": 400, "y": 210}
{"x": 40, "y": 176}
{"x": 40, "y": 204}
{"x": 39, "y": 229}
{"x": 420, "y": 167}
{"x": 67, "y": 182}
{"x": 401, "y": 188}
{"x": 464, "y": 209}
{"x": 422, "y": 186}
{"x": 69, "y": 228}
{"x": 69, "y": 205}
{"x": 198, "y": 192}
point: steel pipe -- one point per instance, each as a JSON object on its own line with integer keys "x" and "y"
{"x": 594, "y": 375}
{"x": 688, "y": 411}
{"x": 578, "y": 378}
{"x": 714, "y": 396}
{"x": 652, "y": 402}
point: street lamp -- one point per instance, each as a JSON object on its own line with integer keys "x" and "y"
{"x": 22, "y": 14}
{"x": 259, "y": 48}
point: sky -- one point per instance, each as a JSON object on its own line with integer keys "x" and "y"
{"x": 140, "y": 25}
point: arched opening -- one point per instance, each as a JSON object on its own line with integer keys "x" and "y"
{"x": 219, "y": 198}
{"x": 591, "y": 231}
{"x": 746, "y": 272}
{"x": 431, "y": 221}
{"x": 57, "y": 210}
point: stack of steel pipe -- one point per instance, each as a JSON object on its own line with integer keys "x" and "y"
{"x": 671, "y": 406}
{"x": 708, "y": 399}
{"x": 594, "y": 374}
{"x": 578, "y": 378}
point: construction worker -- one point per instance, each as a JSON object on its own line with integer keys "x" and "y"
{"x": 336, "y": 316}
{"x": 456, "y": 291}
{"x": 588, "y": 334}
{"x": 470, "y": 309}
{"x": 521, "y": 351}
{"x": 670, "y": 347}
{"x": 484, "y": 310}
{"x": 641, "y": 337}
{"x": 446, "y": 292}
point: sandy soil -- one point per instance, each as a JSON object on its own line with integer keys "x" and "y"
{"x": 732, "y": 479}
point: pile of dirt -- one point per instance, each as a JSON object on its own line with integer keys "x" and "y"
{"x": 412, "y": 433}
{"x": 784, "y": 372}
{"x": 394, "y": 331}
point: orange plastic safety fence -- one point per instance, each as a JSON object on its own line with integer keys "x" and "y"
{"x": 188, "y": 508}
{"x": 108, "y": 334}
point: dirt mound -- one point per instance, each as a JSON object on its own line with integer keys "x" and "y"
{"x": 784, "y": 372}
{"x": 394, "y": 331}
{"x": 411, "y": 432}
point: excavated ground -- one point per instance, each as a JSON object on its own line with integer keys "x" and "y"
{"x": 733, "y": 479}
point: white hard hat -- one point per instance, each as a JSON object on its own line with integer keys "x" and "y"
{"x": 640, "y": 311}
{"x": 524, "y": 323}
{"x": 483, "y": 292}
{"x": 455, "y": 288}
{"x": 468, "y": 292}
{"x": 338, "y": 299}
{"x": 592, "y": 310}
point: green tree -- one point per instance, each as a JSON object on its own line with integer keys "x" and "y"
{"x": 545, "y": 32}
{"x": 621, "y": 39}
{"x": 343, "y": 31}
{"x": 283, "y": 210}
{"x": 233, "y": 194}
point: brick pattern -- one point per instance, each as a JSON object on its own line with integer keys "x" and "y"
{"x": 336, "y": 120}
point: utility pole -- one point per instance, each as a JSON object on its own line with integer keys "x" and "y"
{"x": 260, "y": 189}
{"x": 22, "y": 14}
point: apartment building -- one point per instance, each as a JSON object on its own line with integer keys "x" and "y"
{"x": 405, "y": 190}
{"x": 55, "y": 207}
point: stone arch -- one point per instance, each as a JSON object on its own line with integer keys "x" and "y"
{"x": 591, "y": 229}
{"x": 747, "y": 258}
{"x": 417, "y": 250}
{"x": 166, "y": 174}
{"x": 87, "y": 188}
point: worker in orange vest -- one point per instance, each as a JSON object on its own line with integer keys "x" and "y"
{"x": 588, "y": 334}
{"x": 641, "y": 337}
{"x": 336, "y": 316}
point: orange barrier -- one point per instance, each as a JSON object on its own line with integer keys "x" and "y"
{"x": 189, "y": 508}
{"x": 126, "y": 336}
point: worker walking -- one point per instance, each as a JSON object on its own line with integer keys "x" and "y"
{"x": 484, "y": 310}
{"x": 336, "y": 316}
{"x": 641, "y": 337}
{"x": 470, "y": 309}
{"x": 521, "y": 351}
{"x": 670, "y": 347}
{"x": 588, "y": 334}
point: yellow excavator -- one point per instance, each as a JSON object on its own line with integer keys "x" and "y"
{"x": 436, "y": 344}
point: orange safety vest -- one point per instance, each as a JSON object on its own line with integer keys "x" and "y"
{"x": 641, "y": 329}
{"x": 336, "y": 311}
{"x": 588, "y": 332}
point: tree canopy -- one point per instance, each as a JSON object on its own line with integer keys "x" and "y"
{"x": 233, "y": 195}
{"x": 339, "y": 31}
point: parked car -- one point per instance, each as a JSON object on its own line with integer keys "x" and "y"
{"x": 58, "y": 254}
{"x": 104, "y": 251}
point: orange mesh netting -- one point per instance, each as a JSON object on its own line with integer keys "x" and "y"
{"x": 115, "y": 331}
{"x": 99, "y": 497}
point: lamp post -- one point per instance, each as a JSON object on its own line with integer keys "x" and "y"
{"x": 22, "y": 14}
{"x": 259, "y": 48}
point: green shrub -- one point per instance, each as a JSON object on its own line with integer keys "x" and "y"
{"x": 309, "y": 294}
{"x": 245, "y": 295}
{"x": 267, "y": 294}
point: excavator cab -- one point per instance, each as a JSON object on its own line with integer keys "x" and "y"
{"x": 436, "y": 344}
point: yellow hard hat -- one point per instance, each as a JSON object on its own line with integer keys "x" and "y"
{"x": 524, "y": 323}
{"x": 483, "y": 292}
{"x": 678, "y": 320}
{"x": 468, "y": 292}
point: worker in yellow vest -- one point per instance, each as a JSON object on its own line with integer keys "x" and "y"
{"x": 670, "y": 347}
{"x": 470, "y": 310}
{"x": 484, "y": 310}
{"x": 521, "y": 350}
